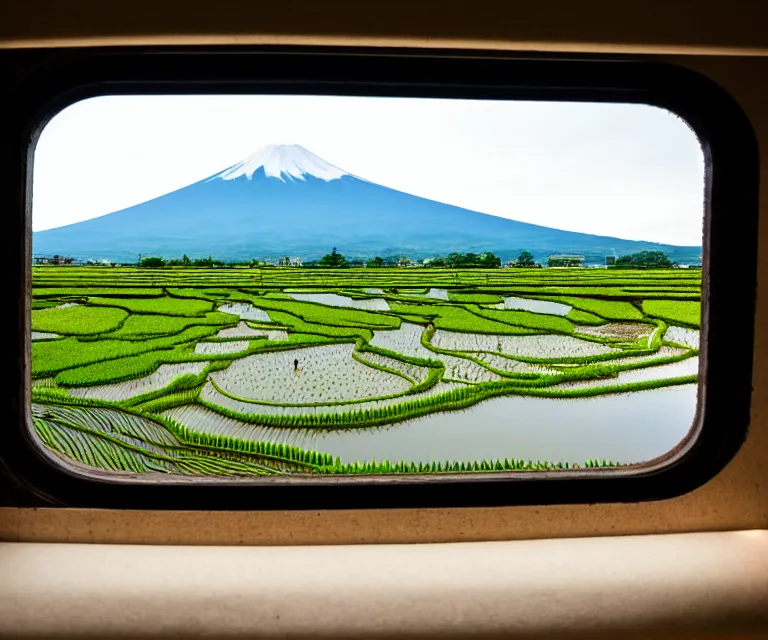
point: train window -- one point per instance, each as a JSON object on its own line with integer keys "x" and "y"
{"x": 397, "y": 280}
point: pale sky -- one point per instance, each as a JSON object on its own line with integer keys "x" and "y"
{"x": 629, "y": 171}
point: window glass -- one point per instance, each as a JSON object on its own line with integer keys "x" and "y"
{"x": 256, "y": 285}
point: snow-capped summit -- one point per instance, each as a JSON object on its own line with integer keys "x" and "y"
{"x": 281, "y": 161}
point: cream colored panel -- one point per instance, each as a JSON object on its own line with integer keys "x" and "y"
{"x": 583, "y": 588}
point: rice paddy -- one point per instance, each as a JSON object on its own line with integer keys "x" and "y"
{"x": 245, "y": 311}
{"x": 335, "y": 300}
{"x": 220, "y": 348}
{"x": 249, "y": 372}
{"x": 537, "y": 306}
{"x": 323, "y": 374}
{"x": 162, "y": 377}
{"x": 618, "y": 330}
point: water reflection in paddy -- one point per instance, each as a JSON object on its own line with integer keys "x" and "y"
{"x": 631, "y": 427}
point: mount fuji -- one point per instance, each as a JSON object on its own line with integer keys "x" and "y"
{"x": 284, "y": 200}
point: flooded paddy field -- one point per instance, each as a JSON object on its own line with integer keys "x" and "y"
{"x": 248, "y": 372}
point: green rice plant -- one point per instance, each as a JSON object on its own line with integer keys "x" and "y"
{"x": 109, "y": 420}
{"x": 78, "y": 320}
{"x": 596, "y": 463}
{"x": 269, "y": 326}
{"x": 112, "y": 453}
{"x": 286, "y": 291}
{"x": 166, "y": 401}
{"x": 294, "y": 341}
{"x": 123, "y": 292}
{"x": 214, "y": 295}
{"x": 432, "y": 363}
{"x": 164, "y": 306}
{"x": 608, "y": 309}
{"x": 38, "y": 304}
{"x": 615, "y": 367}
{"x": 656, "y": 339}
{"x": 578, "y": 316}
{"x": 413, "y": 319}
{"x": 53, "y": 394}
{"x": 495, "y": 465}
{"x": 324, "y": 315}
{"x": 307, "y": 339}
{"x": 587, "y": 282}
{"x": 687, "y": 313}
{"x": 89, "y": 430}
{"x": 436, "y": 369}
{"x": 134, "y": 366}
{"x": 587, "y": 392}
{"x": 268, "y": 450}
{"x": 116, "y": 370}
{"x": 92, "y": 450}
{"x": 300, "y": 325}
{"x": 49, "y": 357}
{"x": 474, "y": 298}
{"x": 455, "y": 318}
{"x": 140, "y": 326}
{"x": 381, "y": 367}
{"x": 527, "y": 319}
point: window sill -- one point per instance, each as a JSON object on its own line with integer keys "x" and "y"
{"x": 683, "y": 585}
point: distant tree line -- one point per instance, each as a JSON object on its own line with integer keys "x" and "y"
{"x": 185, "y": 261}
{"x": 156, "y": 261}
{"x": 645, "y": 260}
{"x": 336, "y": 260}
{"x": 455, "y": 260}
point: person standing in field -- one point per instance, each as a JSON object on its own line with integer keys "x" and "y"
{"x": 296, "y": 365}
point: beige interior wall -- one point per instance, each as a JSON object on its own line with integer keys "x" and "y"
{"x": 736, "y": 499}
{"x": 686, "y": 587}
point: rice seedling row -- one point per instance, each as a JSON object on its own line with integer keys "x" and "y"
{"x": 675, "y": 311}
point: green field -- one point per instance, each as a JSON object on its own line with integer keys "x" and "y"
{"x": 172, "y": 370}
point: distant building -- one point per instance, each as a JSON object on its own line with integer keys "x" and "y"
{"x": 565, "y": 260}
{"x": 56, "y": 259}
{"x": 296, "y": 262}
{"x": 509, "y": 264}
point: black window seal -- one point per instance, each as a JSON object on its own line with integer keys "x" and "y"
{"x": 40, "y": 83}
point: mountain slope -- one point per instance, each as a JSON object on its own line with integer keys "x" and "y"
{"x": 284, "y": 200}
